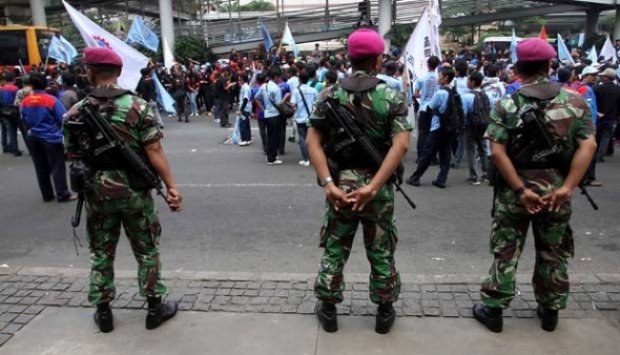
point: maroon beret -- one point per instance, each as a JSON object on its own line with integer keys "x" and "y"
{"x": 534, "y": 49}
{"x": 101, "y": 56}
{"x": 365, "y": 43}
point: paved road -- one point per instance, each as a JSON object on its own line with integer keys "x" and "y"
{"x": 242, "y": 215}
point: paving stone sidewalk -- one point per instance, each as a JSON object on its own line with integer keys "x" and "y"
{"x": 22, "y": 297}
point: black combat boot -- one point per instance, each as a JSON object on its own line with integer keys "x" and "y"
{"x": 326, "y": 313}
{"x": 490, "y": 317}
{"x": 103, "y": 318}
{"x": 548, "y": 317}
{"x": 159, "y": 312}
{"x": 385, "y": 318}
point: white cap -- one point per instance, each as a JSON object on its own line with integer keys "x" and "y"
{"x": 588, "y": 71}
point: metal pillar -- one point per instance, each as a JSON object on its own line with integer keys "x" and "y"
{"x": 37, "y": 8}
{"x": 592, "y": 16}
{"x": 617, "y": 24}
{"x": 167, "y": 30}
{"x": 326, "y": 15}
{"x": 385, "y": 21}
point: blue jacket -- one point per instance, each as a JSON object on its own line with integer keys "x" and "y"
{"x": 42, "y": 114}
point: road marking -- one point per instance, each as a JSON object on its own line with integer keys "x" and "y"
{"x": 246, "y": 185}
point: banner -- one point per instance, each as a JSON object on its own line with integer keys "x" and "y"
{"x": 266, "y": 36}
{"x": 140, "y": 34}
{"x": 419, "y": 48}
{"x": 513, "y": 47}
{"x": 563, "y": 52}
{"x": 288, "y": 40}
{"x": 61, "y": 50}
{"x": 95, "y": 36}
{"x": 609, "y": 52}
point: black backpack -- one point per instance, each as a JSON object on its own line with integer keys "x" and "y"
{"x": 480, "y": 116}
{"x": 452, "y": 118}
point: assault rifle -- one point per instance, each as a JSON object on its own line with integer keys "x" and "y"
{"x": 345, "y": 124}
{"x": 551, "y": 149}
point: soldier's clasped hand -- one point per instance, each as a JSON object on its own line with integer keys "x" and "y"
{"x": 174, "y": 199}
{"x": 557, "y": 198}
{"x": 337, "y": 197}
{"x": 532, "y": 202}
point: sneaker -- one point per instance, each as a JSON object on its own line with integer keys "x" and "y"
{"x": 242, "y": 143}
{"x": 595, "y": 183}
{"x": 473, "y": 181}
{"x": 275, "y": 162}
{"x": 490, "y": 317}
{"x": 217, "y": 120}
{"x": 67, "y": 198}
{"x": 413, "y": 181}
{"x": 304, "y": 163}
{"x": 548, "y": 317}
{"x": 440, "y": 185}
{"x": 327, "y": 316}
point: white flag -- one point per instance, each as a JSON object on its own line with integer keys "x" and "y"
{"x": 95, "y": 36}
{"x": 419, "y": 47}
{"x": 608, "y": 51}
{"x": 288, "y": 40}
{"x": 593, "y": 56}
{"x": 435, "y": 19}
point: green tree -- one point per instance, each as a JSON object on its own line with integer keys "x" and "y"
{"x": 195, "y": 48}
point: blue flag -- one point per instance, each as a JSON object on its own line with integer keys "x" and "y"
{"x": 140, "y": 34}
{"x": 163, "y": 97}
{"x": 563, "y": 52}
{"x": 513, "y": 47}
{"x": 61, "y": 50}
{"x": 266, "y": 36}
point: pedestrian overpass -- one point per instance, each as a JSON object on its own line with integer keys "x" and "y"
{"x": 225, "y": 29}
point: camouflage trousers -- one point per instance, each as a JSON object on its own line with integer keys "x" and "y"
{"x": 553, "y": 240}
{"x": 103, "y": 223}
{"x": 380, "y": 239}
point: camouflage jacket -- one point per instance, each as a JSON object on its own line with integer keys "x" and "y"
{"x": 134, "y": 123}
{"x": 389, "y": 115}
{"x": 570, "y": 120}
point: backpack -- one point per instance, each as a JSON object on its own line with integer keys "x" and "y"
{"x": 452, "y": 118}
{"x": 481, "y": 113}
{"x": 492, "y": 89}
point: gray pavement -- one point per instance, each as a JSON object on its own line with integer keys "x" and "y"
{"x": 68, "y": 332}
{"x": 242, "y": 215}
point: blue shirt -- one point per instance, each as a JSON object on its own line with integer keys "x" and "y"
{"x": 321, "y": 73}
{"x": 392, "y": 82}
{"x": 245, "y": 93}
{"x": 301, "y": 113}
{"x": 439, "y": 101}
{"x": 259, "y": 113}
{"x": 7, "y": 94}
{"x": 270, "y": 94}
{"x": 427, "y": 85}
{"x": 512, "y": 88}
{"x": 42, "y": 114}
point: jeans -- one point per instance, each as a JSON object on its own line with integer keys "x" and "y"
{"x": 458, "y": 148}
{"x": 9, "y": 134}
{"x": 424, "y": 126}
{"x": 49, "y": 159}
{"x": 192, "y": 100}
{"x": 604, "y": 135}
{"x": 262, "y": 129}
{"x": 274, "y": 128}
{"x": 302, "y": 131}
{"x": 244, "y": 128}
{"x": 438, "y": 141}
{"x": 474, "y": 142}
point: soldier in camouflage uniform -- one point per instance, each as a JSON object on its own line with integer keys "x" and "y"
{"x": 358, "y": 193}
{"x": 113, "y": 201}
{"x": 540, "y": 195}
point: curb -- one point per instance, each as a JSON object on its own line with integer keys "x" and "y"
{"x": 269, "y": 276}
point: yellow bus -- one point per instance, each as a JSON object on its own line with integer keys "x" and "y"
{"x": 26, "y": 43}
